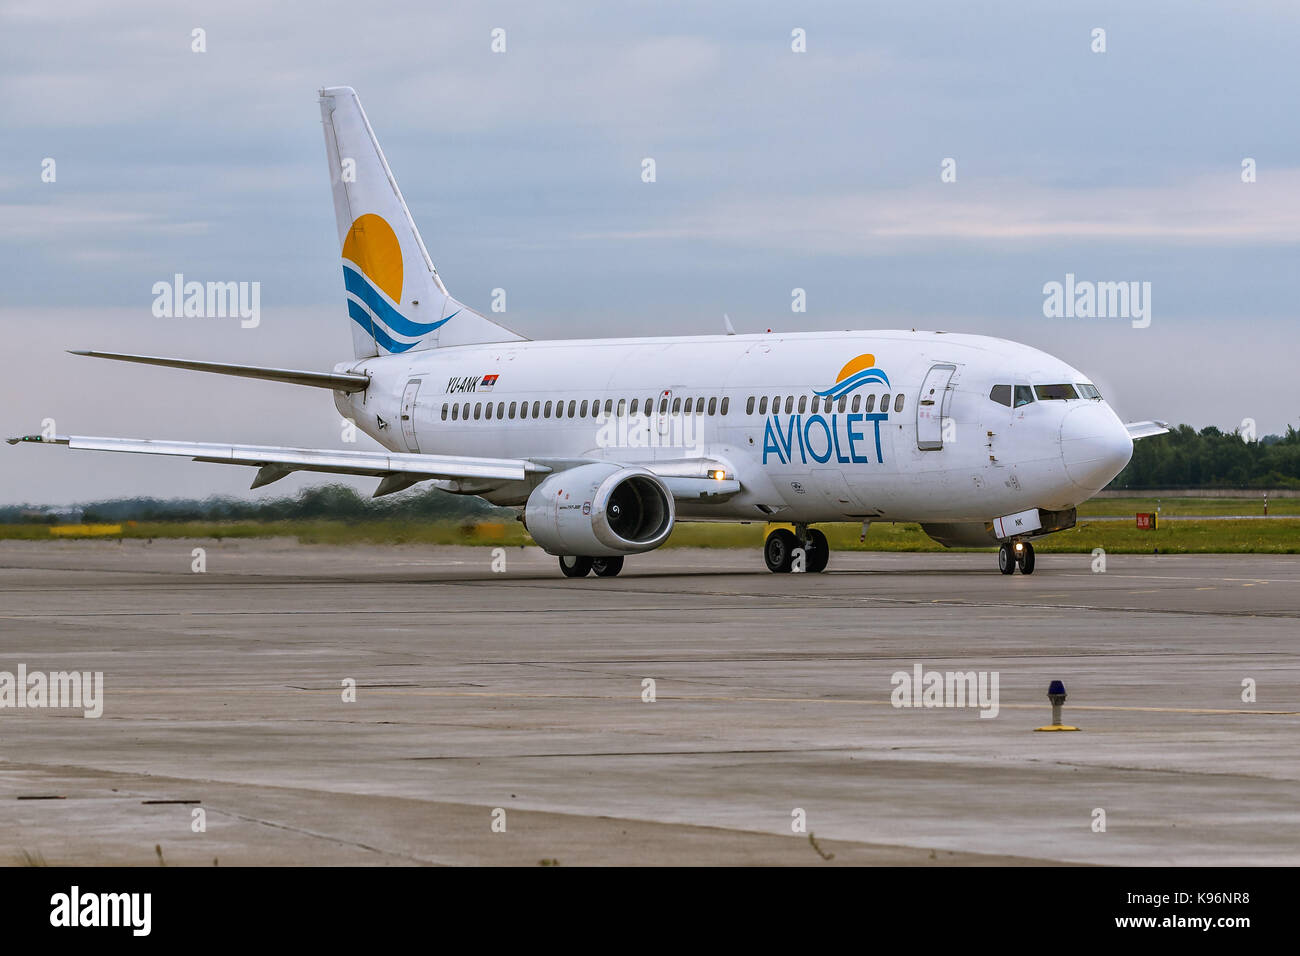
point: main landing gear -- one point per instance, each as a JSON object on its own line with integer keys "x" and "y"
{"x": 575, "y": 566}
{"x": 1018, "y": 554}
{"x": 781, "y": 545}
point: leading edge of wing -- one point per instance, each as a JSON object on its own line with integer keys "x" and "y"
{"x": 288, "y": 460}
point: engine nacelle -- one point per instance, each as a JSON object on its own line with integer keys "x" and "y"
{"x": 600, "y": 510}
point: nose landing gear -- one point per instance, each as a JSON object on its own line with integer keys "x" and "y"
{"x": 1019, "y": 554}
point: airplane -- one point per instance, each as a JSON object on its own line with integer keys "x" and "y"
{"x": 603, "y": 445}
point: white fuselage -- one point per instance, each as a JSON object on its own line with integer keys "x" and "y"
{"x": 856, "y": 461}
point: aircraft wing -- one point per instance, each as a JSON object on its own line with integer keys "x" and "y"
{"x": 699, "y": 480}
{"x": 1138, "y": 430}
{"x": 398, "y": 470}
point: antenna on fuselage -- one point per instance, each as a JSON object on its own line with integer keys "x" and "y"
{"x": 726, "y": 321}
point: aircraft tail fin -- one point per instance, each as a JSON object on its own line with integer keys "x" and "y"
{"x": 396, "y": 301}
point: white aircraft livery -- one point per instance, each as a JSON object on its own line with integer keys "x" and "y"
{"x": 603, "y": 444}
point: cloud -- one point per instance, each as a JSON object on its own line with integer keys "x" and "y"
{"x": 1209, "y": 210}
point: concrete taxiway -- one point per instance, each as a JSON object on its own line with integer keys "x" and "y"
{"x": 523, "y": 692}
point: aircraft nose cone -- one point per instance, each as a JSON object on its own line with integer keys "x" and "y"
{"x": 1095, "y": 445}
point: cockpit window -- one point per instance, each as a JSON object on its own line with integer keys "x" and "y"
{"x": 1001, "y": 394}
{"x": 1089, "y": 391}
{"x": 1055, "y": 393}
{"x": 1024, "y": 395}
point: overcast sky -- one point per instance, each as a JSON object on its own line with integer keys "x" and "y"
{"x": 775, "y": 170}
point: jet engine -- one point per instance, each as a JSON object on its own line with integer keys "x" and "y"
{"x": 600, "y": 510}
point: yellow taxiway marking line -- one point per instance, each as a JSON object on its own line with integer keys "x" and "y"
{"x": 517, "y": 695}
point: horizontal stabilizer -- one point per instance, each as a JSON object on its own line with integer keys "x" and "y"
{"x": 337, "y": 381}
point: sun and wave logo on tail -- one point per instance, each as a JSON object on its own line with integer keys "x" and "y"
{"x": 856, "y": 373}
{"x": 372, "y": 275}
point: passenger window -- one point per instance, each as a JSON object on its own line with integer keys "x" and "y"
{"x": 1001, "y": 394}
{"x": 844, "y": 400}
{"x": 635, "y": 401}
{"x": 622, "y": 407}
{"x": 444, "y": 411}
{"x": 789, "y": 404}
{"x": 677, "y": 406}
{"x": 501, "y": 409}
{"x": 478, "y": 410}
{"x": 1023, "y": 396}
{"x": 512, "y": 409}
{"x": 803, "y": 403}
{"x": 609, "y": 406}
{"x": 884, "y": 402}
{"x": 547, "y": 411}
{"x": 663, "y": 405}
{"x": 776, "y": 405}
{"x": 898, "y": 402}
{"x": 726, "y": 401}
{"x": 762, "y": 405}
{"x": 713, "y": 406}
{"x": 689, "y": 405}
{"x": 749, "y": 406}
{"x": 537, "y": 407}
{"x": 871, "y": 403}
{"x": 573, "y": 404}
{"x": 583, "y": 412}
{"x": 857, "y": 402}
{"x": 464, "y": 411}
{"x": 487, "y": 413}
{"x": 455, "y": 413}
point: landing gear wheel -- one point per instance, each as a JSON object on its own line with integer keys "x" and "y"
{"x": 607, "y": 567}
{"x": 1006, "y": 559}
{"x": 1026, "y": 559}
{"x": 575, "y": 567}
{"x": 778, "y": 550}
{"x": 817, "y": 552}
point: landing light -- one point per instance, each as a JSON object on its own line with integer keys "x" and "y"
{"x": 718, "y": 474}
{"x": 1020, "y": 546}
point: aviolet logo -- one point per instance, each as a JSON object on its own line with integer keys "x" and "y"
{"x": 820, "y": 436}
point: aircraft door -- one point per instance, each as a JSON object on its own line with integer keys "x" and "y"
{"x": 932, "y": 407}
{"x": 408, "y": 414}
